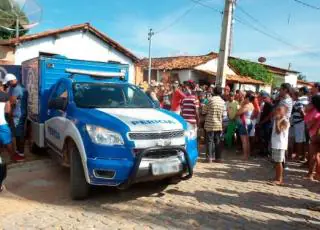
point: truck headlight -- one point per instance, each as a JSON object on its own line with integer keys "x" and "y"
{"x": 191, "y": 132}
{"x": 102, "y": 136}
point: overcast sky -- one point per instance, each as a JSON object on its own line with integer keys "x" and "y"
{"x": 189, "y": 28}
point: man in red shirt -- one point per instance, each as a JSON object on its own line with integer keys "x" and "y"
{"x": 177, "y": 97}
{"x": 190, "y": 106}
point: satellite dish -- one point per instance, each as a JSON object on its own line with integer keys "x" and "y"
{"x": 19, "y": 15}
{"x": 262, "y": 59}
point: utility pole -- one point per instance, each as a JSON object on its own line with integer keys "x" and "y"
{"x": 17, "y": 27}
{"x": 150, "y": 34}
{"x": 232, "y": 27}
{"x": 225, "y": 43}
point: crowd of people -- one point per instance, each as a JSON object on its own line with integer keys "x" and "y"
{"x": 284, "y": 126}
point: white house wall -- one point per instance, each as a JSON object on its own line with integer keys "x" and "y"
{"x": 75, "y": 45}
{"x": 212, "y": 66}
{"x": 291, "y": 78}
{"x": 184, "y": 75}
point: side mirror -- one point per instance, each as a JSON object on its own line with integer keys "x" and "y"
{"x": 59, "y": 103}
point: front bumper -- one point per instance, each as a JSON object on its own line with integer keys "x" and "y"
{"x": 128, "y": 172}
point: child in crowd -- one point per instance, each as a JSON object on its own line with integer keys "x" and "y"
{"x": 279, "y": 141}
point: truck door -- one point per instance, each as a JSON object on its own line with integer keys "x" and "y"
{"x": 56, "y": 124}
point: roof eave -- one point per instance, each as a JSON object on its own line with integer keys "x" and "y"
{"x": 85, "y": 26}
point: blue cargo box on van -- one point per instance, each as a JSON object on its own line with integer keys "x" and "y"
{"x": 40, "y": 74}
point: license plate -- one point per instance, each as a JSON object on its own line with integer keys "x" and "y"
{"x": 164, "y": 168}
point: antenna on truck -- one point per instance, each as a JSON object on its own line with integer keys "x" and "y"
{"x": 97, "y": 74}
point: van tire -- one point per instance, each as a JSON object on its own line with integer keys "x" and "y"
{"x": 79, "y": 188}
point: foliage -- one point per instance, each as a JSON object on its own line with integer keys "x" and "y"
{"x": 8, "y": 16}
{"x": 302, "y": 77}
{"x": 253, "y": 70}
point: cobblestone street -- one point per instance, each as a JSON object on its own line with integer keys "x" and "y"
{"x": 232, "y": 195}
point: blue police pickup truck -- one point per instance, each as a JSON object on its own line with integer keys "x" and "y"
{"x": 109, "y": 132}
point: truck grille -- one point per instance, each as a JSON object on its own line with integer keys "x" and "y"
{"x": 159, "y": 154}
{"x": 156, "y": 135}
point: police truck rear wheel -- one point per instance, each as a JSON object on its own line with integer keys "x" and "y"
{"x": 79, "y": 187}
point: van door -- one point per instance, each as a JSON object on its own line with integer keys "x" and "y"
{"x": 56, "y": 124}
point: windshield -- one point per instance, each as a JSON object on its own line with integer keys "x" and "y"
{"x": 99, "y": 95}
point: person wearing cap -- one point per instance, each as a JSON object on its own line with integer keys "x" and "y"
{"x": 265, "y": 123}
{"x": 18, "y": 100}
{"x": 299, "y": 129}
{"x": 177, "y": 97}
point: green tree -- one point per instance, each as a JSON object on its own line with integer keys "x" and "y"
{"x": 9, "y": 12}
{"x": 252, "y": 69}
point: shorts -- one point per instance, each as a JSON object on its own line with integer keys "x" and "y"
{"x": 18, "y": 126}
{"x": 5, "y": 135}
{"x": 244, "y": 130}
{"x": 299, "y": 132}
{"x": 278, "y": 155}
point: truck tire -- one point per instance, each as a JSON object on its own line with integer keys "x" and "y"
{"x": 79, "y": 188}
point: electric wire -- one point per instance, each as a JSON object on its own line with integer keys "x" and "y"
{"x": 307, "y": 4}
{"x": 199, "y": 2}
{"x": 261, "y": 31}
{"x": 175, "y": 21}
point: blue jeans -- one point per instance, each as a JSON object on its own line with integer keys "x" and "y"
{"x": 18, "y": 126}
{"x": 19, "y": 132}
{"x": 213, "y": 144}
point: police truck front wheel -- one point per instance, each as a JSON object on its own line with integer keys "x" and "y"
{"x": 79, "y": 187}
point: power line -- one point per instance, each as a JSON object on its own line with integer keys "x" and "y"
{"x": 307, "y": 4}
{"x": 272, "y": 36}
{"x": 178, "y": 19}
{"x": 252, "y": 17}
{"x": 199, "y": 2}
{"x": 257, "y": 29}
